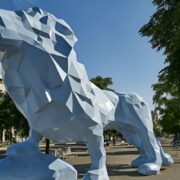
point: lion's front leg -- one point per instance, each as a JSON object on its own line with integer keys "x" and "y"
{"x": 29, "y": 146}
{"x": 98, "y": 171}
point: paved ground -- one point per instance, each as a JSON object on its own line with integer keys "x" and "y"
{"x": 118, "y": 163}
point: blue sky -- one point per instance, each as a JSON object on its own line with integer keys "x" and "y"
{"x": 109, "y": 43}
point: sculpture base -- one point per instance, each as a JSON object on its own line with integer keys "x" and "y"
{"x": 29, "y": 168}
{"x": 34, "y": 166}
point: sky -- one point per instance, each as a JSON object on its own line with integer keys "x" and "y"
{"x": 109, "y": 43}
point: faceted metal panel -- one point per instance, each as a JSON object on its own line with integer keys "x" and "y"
{"x": 52, "y": 90}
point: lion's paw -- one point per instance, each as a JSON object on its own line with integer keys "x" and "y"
{"x": 149, "y": 169}
{"x": 23, "y": 148}
{"x": 167, "y": 160}
{"x": 97, "y": 174}
{"x": 138, "y": 161}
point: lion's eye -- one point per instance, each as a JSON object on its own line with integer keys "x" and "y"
{"x": 41, "y": 33}
{"x": 62, "y": 29}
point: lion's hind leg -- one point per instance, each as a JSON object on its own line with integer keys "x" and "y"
{"x": 133, "y": 138}
{"x": 149, "y": 161}
{"x": 167, "y": 160}
{"x": 135, "y": 121}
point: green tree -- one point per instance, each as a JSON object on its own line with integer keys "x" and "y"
{"x": 104, "y": 83}
{"x": 156, "y": 123}
{"x": 11, "y": 117}
{"x": 164, "y": 31}
{"x": 114, "y": 134}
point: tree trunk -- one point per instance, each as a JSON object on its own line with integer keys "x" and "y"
{"x": 114, "y": 140}
{"x": 1, "y": 135}
{"x": 47, "y": 146}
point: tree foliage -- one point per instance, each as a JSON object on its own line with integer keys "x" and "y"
{"x": 156, "y": 124}
{"x": 102, "y": 83}
{"x": 114, "y": 134}
{"x": 11, "y": 117}
{"x": 164, "y": 31}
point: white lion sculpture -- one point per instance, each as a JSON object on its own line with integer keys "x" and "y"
{"x": 52, "y": 90}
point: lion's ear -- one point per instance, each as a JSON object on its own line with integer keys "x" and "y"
{"x": 33, "y": 11}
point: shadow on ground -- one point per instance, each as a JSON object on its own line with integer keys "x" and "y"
{"x": 120, "y": 153}
{"x": 121, "y": 170}
{"x": 113, "y": 170}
